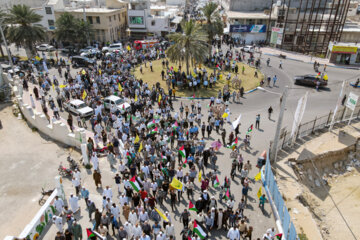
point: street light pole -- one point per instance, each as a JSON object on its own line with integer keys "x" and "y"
{"x": 274, "y": 146}
{"x": 84, "y": 16}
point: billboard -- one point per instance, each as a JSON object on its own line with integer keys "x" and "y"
{"x": 136, "y": 20}
{"x": 247, "y": 28}
{"x": 276, "y": 35}
{"x": 344, "y": 49}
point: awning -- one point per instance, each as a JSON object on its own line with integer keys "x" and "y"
{"x": 177, "y": 20}
{"x": 136, "y": 30}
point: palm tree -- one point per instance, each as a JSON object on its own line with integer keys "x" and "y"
{"x": 3, "y": 20}
{"x": 84, "y": 31}
{"x": 214, "y": 26}
{"x": 24, "y": 29}
{"x": 66, "y": 29}
{"x": 190, "y": 45}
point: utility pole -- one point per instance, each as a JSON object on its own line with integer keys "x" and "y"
{"x": 274, "y": 146}
{"x": 84, "y": 15}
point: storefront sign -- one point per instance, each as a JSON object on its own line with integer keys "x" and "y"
{"x": 344, "y": 49}
{"x": 247, "y": 28}
{"x": 276, "y": 35}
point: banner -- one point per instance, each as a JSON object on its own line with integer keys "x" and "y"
{"x": 299, "y": 113}
{"x": 238, "y": 28}
{"x": 236, "y": 122}
{"x": 276, "y": 35}
{"x": 337, "y": 106}
{"x": 344, "y": 49}
{"x": 351, "y": 101}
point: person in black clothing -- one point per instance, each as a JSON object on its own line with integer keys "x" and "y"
{"x": 209, "y": 129}
{"x": 184, "y": 218}
{"x": 270, "y": 110}
{"x": 172, "y": 199}
{"x": 203, "y": 128}
{"x": 199, "y": 205}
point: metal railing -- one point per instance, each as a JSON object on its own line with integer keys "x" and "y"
{"x": 319, "y": 123}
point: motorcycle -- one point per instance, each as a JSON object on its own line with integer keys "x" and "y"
{"x": 65, "y": 172}
{"x": 73, "y": 164}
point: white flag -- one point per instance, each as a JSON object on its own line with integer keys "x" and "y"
{"x": 45, "y": 67}
{"x": 299, "y": 113}
{"x": 236, "y": 122}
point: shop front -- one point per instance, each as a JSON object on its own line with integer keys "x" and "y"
{"x": 340, "y": 54}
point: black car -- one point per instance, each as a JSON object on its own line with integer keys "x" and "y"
{"x": 309, "y": 80}
{"x": 79, "y": 61}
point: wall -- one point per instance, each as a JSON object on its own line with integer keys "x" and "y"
{"x": 161, "y": 24}
{"x": 46, "y": 17}
{"x": 249, "y": 5}
{"x": 137, "y": 13}
{"x": 175, "y": 2}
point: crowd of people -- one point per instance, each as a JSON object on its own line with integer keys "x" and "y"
{"x": 158, "y": 152}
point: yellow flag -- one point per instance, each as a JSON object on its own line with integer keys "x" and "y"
{"x": 141, "y": 147}
{"x": 200, "y": 176}
{"x": 259, "y": 193}
{"x": 225, "y": 115}
{"x": 159, "y": 98}
{"x": 37, "y": 58}
{"x": 128, "y": 48}
{"x": 84, "y": 95}
{"x": 137, "y": 139}
{"x": 83, "y": 72}
{"x": 162, "y": 215}
{"x": 176, "y": 184}
{"x": 325, "y": 77}
{"x": 257, "y": 176}
{"x": 53, "y": 86}
{"x": 136, "y": 99}
{"x": 120, "y": 88}
{"x": 62, "y": 86}
{"x": 100, "y": 71}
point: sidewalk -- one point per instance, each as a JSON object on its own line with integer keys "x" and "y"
{"x": 302, "y": 58}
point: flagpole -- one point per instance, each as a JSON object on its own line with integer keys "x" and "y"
{"x": 274, "y": 147}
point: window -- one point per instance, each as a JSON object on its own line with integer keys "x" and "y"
{"x": 119, "y": 17}
{"x": 114, "y": 17}
{"x": 89, "y": 19}
{"x": 98, "y": 20}
{"x": 48, "y": 10}
{"x": 152, "y": 22}
{"x": 110, "y": 19}
{"x": 51, "y": 23}
{"x": 136, "y": 20}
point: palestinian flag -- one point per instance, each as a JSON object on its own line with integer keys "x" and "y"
{"x": 163, "y": 158}
{"x": 227, "y": 194}
{"x": 233, "y": 145}
{"x": 151, "y": 124}
{"x": 199, "y": 231}
{"x": 175, "y": 125}
{"x": 216, "y": 182}
{"x": 128, "y": 156}
{"x": 278, "y": 236}
{"x": 182, "y": 151}
{"x": 155, "y": 130}
{"x": 250, "y": 129}
{"x": 90, "y": 233}
{"x": 135, "y": 185}
{"x": 192, "y": 207}
{"x": 184, "y": 164}
{"x": 193, "y": 97}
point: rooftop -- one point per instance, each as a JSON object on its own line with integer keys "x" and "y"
{"x": 248, "y": 15}
{"x": 88, "y": 10}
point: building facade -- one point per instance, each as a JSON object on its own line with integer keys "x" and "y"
{"x": 344, "y": 53}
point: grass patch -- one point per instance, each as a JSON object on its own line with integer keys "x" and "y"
{"x": 248, "y": 80}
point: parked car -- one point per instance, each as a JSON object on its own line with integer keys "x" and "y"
{"x": 248, "y": 48}
{"x": 87, "y": 49}
{"x": 78, "y": 107}
{"x": 114, "y": 101}
{"x": 80, "y": 61}
{"x": 45, "y": 47}
{"x": 309, "y": 80}
{"x": 112, "y": 47}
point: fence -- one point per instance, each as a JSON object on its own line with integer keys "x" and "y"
{"x": 280, "y": 211}
{"x": 318, "y": 123}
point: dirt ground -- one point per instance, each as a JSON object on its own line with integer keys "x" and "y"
{"x": 28, "y": 162}
{"x": 319, "y": 218}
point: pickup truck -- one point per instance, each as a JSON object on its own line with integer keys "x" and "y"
{"x": 78, "y": 107}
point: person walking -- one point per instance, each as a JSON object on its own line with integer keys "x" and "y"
{"x": 257, "y": 121}
{"x": 274, "y": 80}
{"x": 97, "y": 178}
{"x": 262, "y": 201}
{"x": 270, "y": 110}
{"x": 76, "y": 230}
{"x": 185, "y": 217}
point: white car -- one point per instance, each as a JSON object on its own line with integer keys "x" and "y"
{"x": 248, "y": 48}
{"x": 45, "y": 47}
{"x": 112, "y": 48}
{"x": 114, "y": 101}
{"x": 78, "y": 107}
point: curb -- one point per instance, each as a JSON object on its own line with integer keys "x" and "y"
{"x": 204, "y": 98}
{"x": 294, "y": 59}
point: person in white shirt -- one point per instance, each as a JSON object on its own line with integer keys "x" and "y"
{"x": 76, "y": 183}
{"x": 233, "y": 234}
{"x": 271, "y": 232}
{"x": 59, "y": 205}
{"x": 170, "y": 230}
{"x": 161, "y": 236}
{"x": 133, "y": 218}
{"x": 58, "y": 223}
{"x": 108, "y": 192}
{"x": 129, "y": 229}
{"x": 115, "y": 211}
{"x": 137, "y": 231}
{"x": 123, "y": 199}
{"x": 143, "y": 216}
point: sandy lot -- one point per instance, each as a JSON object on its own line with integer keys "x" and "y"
{"x": 28, "y": 162}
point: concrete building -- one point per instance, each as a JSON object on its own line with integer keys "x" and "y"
{"x": 5, "y": 4}
{"x": 109, "y": 21}
{"x": 344, "y": 53}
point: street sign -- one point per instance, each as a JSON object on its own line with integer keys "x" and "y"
{"x": 351, "y": 101}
